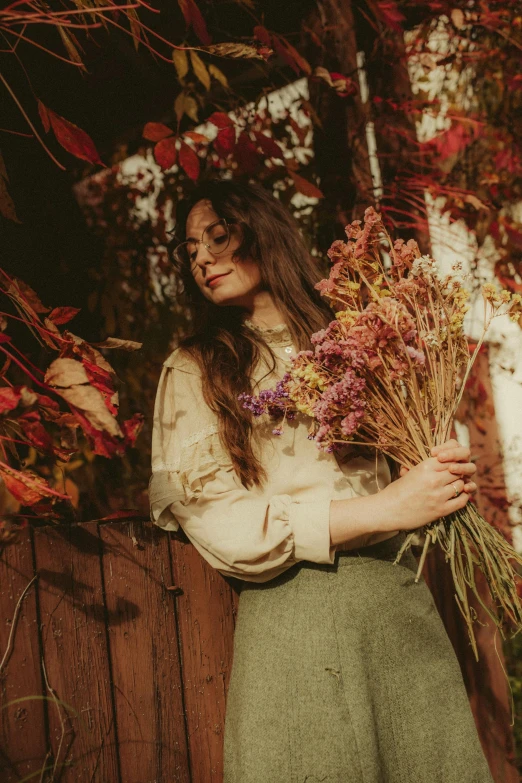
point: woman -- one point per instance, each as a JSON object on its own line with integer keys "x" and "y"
{"x": 342, "y": 669}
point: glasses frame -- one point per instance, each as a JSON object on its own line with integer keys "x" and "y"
{"x": 182, "y": 261}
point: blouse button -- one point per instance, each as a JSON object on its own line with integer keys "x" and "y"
{"x": 288, "y": 350}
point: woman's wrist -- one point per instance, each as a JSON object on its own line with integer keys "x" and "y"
{"x": 366, "y": 515}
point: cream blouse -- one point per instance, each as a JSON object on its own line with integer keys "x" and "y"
{"x": 254, "y": 534}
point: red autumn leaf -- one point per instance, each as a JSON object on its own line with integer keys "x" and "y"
{"x": 156, "y": 131}
{"x": 198, "y": 138}
{"x": 343, "y": 85}
{"x": 189, "y": 161}
{"x": 264, "y": 51}
{"x": 262, "y": 34}
{"x": 25, "y": 295}
{"x": 9, "y": 398}
{"x": 102, "y": 380}
{"x": 44, "y": 116}
{"x": 450, "y": 142}
{"x": 46, "y": 402}
{"x": 506, "y": 159}
{"x": 34, "y": 431}
{"x": 390, "y": 14}
{"x": 305, "y": 187}
{"x": 514, "y": 82}
{"x": 165, "y": 153}
{"x": 62, "y": 315}
{"x": 72, "y": 138}
{"x": 269, "y": 146}
{"x": 246, "y": 154}
{"x": 69, "y": 379}
{"x": 74, "y": 346}
{"x": 131, "y": 428}
{"x": 221, "y": 120}
{"x": 225, "y": 141}
{"x": 291, "y": 56}
{"x": 26, "y": 487}
{"x": 101, "y": 442}
{"x": 194, "y": 19}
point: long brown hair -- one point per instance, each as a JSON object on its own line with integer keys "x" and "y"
{"x": 226, "y": 350}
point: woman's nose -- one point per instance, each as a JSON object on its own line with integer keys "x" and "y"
{"x": 204, "y": 256}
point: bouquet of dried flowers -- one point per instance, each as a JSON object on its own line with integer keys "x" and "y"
{"x": 389, "y": 373}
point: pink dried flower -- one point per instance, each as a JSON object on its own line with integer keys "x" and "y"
{"x": 417, "y": 356}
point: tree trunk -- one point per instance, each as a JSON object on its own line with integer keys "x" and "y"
{"x": 341, "y": 152}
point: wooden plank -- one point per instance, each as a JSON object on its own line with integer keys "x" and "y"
{"x": 23, "y": 742}
{"x": 145, "y": 654}
{"x": 75, "y": 651}
{"x": 206, "y": 624}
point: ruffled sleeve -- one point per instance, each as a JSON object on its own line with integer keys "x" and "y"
{"x": 240, "y": 532}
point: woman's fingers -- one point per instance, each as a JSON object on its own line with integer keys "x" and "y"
{"x": 455, "y": 488}
{"x": 454, "y": 454}
{"x": 458, "y": 468}
{"x": 442, "y": 446}
{"x": 462, "y": 468}
{"x": 455, "y": 503}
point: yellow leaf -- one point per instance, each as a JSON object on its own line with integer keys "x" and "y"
{"x": 135, "y": 26}
{"x": 322, "y": 73}
{"x": 180, "y": 59}
{"x": 200, "y": 69}
{"x": 186, "y": 104}
{"x": 191, "y": 108}
{"x": 71, "y": 44}
{"x": 217, "y": 74}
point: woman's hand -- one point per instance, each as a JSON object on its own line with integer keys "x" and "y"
{"x": 427, "y": 491}
{"x": 452, "y": 454}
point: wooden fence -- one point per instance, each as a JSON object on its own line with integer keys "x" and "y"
{"x": 133, "y": 631}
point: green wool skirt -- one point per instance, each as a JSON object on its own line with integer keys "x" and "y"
{"x": 345, "y": 673}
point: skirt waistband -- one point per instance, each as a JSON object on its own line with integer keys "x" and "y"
{"x": 383, "y": 550}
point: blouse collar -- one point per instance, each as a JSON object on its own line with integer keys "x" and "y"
{"x": 272, "y": 335}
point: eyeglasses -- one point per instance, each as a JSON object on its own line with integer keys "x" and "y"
{"x": 216, "y": 238}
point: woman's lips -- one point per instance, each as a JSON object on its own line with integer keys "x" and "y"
{"x": 214, "y": 280}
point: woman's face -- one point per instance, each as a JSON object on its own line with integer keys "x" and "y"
{"x": 235, "y": 282}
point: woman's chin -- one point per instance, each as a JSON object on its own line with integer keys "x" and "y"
{"x": 225, "y": 298}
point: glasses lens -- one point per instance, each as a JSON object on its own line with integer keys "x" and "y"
{"x": 217, "y": 237}
{"x": 186, "y": 253}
